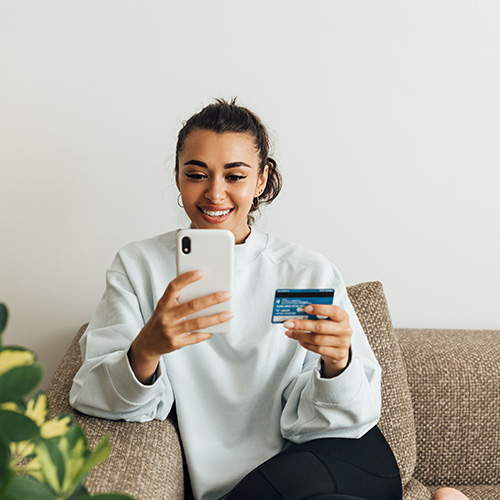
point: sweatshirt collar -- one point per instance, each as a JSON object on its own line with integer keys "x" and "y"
{"x": 251, "y": 248}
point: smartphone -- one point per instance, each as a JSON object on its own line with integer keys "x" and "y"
{"x": 211, "y": 251}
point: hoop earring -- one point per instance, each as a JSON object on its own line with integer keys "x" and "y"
{"x": 254, "y": 206}
{"x": 178, "y": 202}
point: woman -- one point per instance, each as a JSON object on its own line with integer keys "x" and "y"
{"x": 264, "y": 411}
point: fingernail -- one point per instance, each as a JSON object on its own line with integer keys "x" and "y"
{"x": 308, "y": 309}
{"x": 199, "y": 274}
{"x": 289, "y": 324}
{"x": 228, "y": 315}
{"x": 225, "y": 295}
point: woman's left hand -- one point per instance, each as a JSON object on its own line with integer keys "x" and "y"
{"x": 330, "y": 338}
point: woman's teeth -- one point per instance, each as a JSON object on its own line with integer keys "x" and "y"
{"x": 219, "y": 213}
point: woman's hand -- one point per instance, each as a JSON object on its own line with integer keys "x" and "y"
{"x": 329, "y": 338}
{"x": 168, "y": 329}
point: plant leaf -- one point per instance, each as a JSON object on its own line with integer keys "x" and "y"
{"x": 17, "y": 427}
{"x": 24, "y": 487}
{"x": 33, "y": 468}
{"x": 100, "y": 454}
{"x": 20, "y": 451}
{"x": 75, "y": 451}
{"x": 79, "y": 493}
{"x": 80, "y": 460}
{"x": 10, "y": 405}
{"x": 107, "y": 496}
{"x": 37, "y": 409}
{"x": 56, "y": 427}
{"x": 15, "y": 356}
{"x": 75, "y": 435}
{"x": 4, "y": 316}
{"x": 5, "y": 474}
{"x": 19, "y": 381}
{"x": 52, "y": 463}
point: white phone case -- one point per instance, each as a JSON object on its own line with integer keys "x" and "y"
{"x": 212, "y": 251}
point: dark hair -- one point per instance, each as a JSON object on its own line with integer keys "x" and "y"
{"x": 223, "y": 116}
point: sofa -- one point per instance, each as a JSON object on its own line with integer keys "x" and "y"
{"x": 440, "y": 413}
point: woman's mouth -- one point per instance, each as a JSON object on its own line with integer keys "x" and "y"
{"x": 215, "y": 216}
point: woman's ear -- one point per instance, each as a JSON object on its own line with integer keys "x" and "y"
{"x": 262, "y": 181}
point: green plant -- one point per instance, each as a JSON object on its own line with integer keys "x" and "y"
{"x": 40, "y": 459}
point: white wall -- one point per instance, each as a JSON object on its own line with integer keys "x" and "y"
{"x": 385, "y": 116}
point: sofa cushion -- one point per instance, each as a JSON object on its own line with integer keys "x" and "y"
{"x": 454, "y": 378}
{"x": 134, "y": 446}
{"x": 396, "y": 421}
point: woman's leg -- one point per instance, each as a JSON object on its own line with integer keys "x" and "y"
{"x": 326, "y": 469}
{"x": 449, "y": 494}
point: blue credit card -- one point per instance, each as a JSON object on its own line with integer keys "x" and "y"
{"x": 290, "y": 303}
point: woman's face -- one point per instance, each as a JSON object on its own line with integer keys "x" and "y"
{"x": 218, "y": 179}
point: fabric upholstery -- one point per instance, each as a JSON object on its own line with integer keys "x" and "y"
{"x": 454, "y": 378}
{"x": 396, "y": 421}
{"x": 145, "y": 459}
{"x": 415, "y": 490}
{"x": 440, "y": 413}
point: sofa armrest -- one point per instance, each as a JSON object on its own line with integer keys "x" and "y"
{"x": 454, "y": 379}
{"x": 145, "y": 459}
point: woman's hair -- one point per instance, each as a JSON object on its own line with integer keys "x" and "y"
{"x": 223, "y": 116}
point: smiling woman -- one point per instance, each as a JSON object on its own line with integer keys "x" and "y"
{"x": 219, "y": 178}
{"x": 268, "y": 410}
{"x": 224, "y": 136}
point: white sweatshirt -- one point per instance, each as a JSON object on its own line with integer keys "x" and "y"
{"x": 241, "y": 397}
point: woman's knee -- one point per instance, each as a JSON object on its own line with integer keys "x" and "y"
{"x": 360, "y": 468}
{"x": 371, "y": 452}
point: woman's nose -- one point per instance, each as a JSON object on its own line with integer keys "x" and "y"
{"x": 215, "y": 191}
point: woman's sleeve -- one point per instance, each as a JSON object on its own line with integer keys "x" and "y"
{"x": 347, "y": 405}
{"x": 106, "y": 386}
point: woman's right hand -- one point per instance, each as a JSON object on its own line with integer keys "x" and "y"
{"x": 168, "y": 329}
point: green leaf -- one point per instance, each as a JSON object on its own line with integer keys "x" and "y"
{"x": 17, "y": 427}
{"x": 4, "y": 316}
{"x": 76, "y": 434}
{"x": 100, "y": 454}
{"x": 108, "y": 496}
{"x": 37, "y": 408}
{"x": 19, "y": 381}
{"x": 24, "y": 487}
{"x": 13, "y": 356}
{"x": 80, "y": 492}
{"x": 75, "y": 451}
{"x": 57, "y": 426}
{"x": 5, "y": 474}
{"x": 79, "y": 461}
{"x": 52, "y": 463}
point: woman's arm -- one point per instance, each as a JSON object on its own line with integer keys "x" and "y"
{"x": 123, "y": 374}
{"x": 330, "y": 338}
{"x": 348, "y": 403}
{"x": 106, "y": 386}
{"x": 168, "y": 329}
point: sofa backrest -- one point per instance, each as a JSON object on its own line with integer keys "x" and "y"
{"x": 396, "y": 421}
{"x": 454, "y": 378}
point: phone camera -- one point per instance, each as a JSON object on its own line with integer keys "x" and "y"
{"x": 186, "y": 245}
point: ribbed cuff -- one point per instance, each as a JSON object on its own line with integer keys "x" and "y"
{"x": 125, "y": 383}
{"x": 341, "y": 390}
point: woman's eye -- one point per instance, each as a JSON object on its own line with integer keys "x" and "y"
{"x": 235, "y": 178}
{"x": 196, "y": 177}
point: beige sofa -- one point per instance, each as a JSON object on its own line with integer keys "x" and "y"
{"x": 440, "y": 413}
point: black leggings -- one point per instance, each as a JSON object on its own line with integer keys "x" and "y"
{"x": 326, "y": 469}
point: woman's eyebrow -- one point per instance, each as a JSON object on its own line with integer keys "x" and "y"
{"x": 227, "y": 165}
